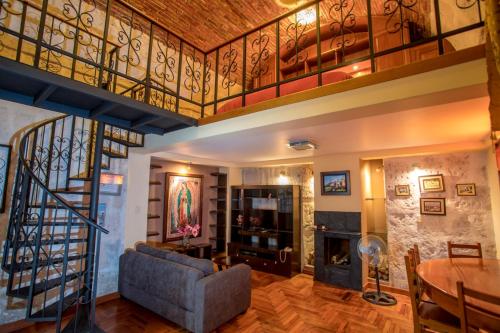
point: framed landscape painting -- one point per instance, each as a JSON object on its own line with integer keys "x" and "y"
{"x": 402, "y": 190}
{"x": 183, "y": 204}
{"x": 431, "y": 183}
{"x": 466, "y": 190}
{"x": 4, "y": 174}
{"x": 335, "y": 183}
{"x": 432, "y": 206}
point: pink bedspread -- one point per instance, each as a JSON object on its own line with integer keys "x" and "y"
{"x": 285, "y": 89}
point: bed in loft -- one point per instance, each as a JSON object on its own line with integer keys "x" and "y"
{"x": 302, "y": 58}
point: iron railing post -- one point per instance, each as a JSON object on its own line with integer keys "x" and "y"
{"x": 105, "y": 44}
{"x": 41, "y": 30}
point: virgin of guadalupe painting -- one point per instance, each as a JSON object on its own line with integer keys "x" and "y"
{"x": 183, "y": 206}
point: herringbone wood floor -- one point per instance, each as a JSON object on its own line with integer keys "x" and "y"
{"x": 279, "y": 305}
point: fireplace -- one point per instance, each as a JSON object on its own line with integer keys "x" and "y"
{"x": 337, "y": 252}
{"x": 336, "y": 240}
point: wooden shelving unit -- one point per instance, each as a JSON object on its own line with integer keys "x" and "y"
{"x": 268, "y": 237}
{"x": 218, "y": 202}
{"x": 154, "y": 202}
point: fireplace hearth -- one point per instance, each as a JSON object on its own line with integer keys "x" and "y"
{"x": 336, "y": 239}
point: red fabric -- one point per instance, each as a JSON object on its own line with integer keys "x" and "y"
{"x": 285, "y": 89}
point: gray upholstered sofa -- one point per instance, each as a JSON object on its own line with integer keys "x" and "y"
{"x": 182, "y": 289}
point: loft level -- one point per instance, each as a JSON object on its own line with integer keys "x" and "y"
{"x": 150, "y": 69}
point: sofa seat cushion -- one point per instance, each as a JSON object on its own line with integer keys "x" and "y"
{"x": 204, "y": 265}
{"x": 160, "y": 278}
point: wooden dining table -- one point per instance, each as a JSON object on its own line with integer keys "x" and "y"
{"x": 439, "y": 278}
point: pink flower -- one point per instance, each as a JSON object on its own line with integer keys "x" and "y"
{"x": 195, "y": 230}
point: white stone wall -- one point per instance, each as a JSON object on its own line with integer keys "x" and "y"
{"x": 468, "y": 219}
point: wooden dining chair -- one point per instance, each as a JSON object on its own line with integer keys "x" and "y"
{"x": 414, "y": 255}
{"x": 427, "y": 316}
{"x": 476, "y": 247}
{"x": 491, "y": 322}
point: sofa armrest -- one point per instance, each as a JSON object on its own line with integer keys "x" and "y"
{"x": 221, "y": 296}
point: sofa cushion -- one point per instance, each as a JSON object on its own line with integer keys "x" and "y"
{"x": 160, "y": 278}
{"x": 152, "y": 251}
{"x": 204, "y": 265}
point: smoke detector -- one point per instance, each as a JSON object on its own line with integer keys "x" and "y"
{"x": 302, "y": 145}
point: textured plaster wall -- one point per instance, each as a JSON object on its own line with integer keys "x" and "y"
{"x": 468, "y": 219}
{"x": 299, "y": 175}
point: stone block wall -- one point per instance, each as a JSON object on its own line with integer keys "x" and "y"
{"x": 468, "y": 219}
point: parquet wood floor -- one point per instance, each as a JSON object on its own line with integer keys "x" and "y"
{"x": 279, "y": 305}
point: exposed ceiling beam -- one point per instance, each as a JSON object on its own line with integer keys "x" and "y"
{"x": 103, "y": 108}
{"x": 44, "y": 94}
{"x": 144, "y": 121}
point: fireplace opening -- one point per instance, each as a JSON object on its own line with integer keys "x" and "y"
{"x": 337, "y": 252}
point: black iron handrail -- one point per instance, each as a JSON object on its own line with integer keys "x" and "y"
{"x": 58, "y": 199}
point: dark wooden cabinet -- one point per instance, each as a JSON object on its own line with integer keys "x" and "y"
{"x": 265, "y": 228}
{"x": 218, "y": 211}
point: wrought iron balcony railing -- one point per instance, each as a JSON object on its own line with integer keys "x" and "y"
{"x": 107, "y": 44}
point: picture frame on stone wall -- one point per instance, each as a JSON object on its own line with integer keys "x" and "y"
{"x": 431, "y": 183}
{"x": 5, "y": 151}
{"x": 402, "y": 190}
{"x": 433, "y": 206}
{"x": 466, "y": 190}
{"x": 336, "y": 183}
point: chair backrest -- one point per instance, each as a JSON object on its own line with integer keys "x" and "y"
{"x": 413, "y": 284}
{"x": 491, "y": 321}
{"x": 416, "y": 251}
{"x": 476, "y": 247}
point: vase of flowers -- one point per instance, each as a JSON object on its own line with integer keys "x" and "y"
{"x": 187, "y": 231}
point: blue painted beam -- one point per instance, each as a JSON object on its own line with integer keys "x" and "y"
{"x": 44, "y": 94}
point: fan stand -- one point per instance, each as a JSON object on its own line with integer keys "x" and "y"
{"x": 379, "y": 297}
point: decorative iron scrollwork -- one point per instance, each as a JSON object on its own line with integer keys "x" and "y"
{"x": 165, "y": 57}
{"x": 193, "y": 74}
{"x": 230, "y": 66}
{"x": 465, "y": 4}
{"x": 208, "y": 77}
{"x": 131, "y": 41}
{"x": 259, "y": 58}
{"x": 7, "y": 8}
{"x": 297, "y": 39}
{"x": 342, "y": 25}
{"x": 407, "y": 13}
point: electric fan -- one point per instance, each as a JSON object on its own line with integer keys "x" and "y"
{"x": 373, "y": 249}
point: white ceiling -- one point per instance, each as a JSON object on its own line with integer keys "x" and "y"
{"x": 452, "y": 123}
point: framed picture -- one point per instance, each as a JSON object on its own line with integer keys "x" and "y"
{"x": 431, "y": 183}
{"x": 335, "y": 183}
{"x": 5, "y": 151}
{"x": 466, "y": 190}
{"x": 402, "y": 190}
{"x": 432, "y": 206}
{"x": 183, "y": 204}
{"x": 111, "y": 184}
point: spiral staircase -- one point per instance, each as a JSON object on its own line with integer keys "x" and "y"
{"x": 51, "y": 252}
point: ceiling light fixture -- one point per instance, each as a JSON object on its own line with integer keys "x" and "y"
{"x": 306, "y": 16}
{"x": 302, "y": 145}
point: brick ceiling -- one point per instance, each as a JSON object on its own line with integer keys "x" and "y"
{"x": 209, "y": 23}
